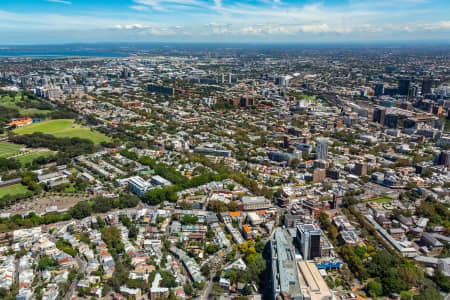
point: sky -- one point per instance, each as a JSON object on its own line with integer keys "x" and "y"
{"x": 244, "y": 21}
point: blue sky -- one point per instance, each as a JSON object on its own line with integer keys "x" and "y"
{"x": 292, "y": 21}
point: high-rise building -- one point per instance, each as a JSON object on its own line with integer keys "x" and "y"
{"x": 360, "y": 169}
{"x": 319, "y": 175}
{"x": 444, "y": 158}
{"x": 322, "y": 149}
{"x": 403, "y": 86}
{"x": 379, "y": 89}
{"x": 413, "y": 91}
{"x": 230, "y": 78}
{"x": 427, "y": 84}
{"x": 308, "y": 240}
{"x": 286, "y": 141}
{"x": 391, "y": 120}
{"x": 378, "y": 115}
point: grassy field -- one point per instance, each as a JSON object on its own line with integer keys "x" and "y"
{"x": 50, "y": 127}
{"x": 63, "y": 128}
{"x": 381, "y": 200}
{"x": 310, "y": 98}
{"x": 7, "y": 149}
{"x": 16, "y": 189}
{"x": 9, "y": 102}
{"x": 29, "y": 157}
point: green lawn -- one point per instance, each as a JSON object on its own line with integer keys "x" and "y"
{"x": 9, "y": 102}
{"x": 63, "y": 128}
{"x": 7, "y": 149}
{"x": 31, "y": 111}
{"x": 85, "y": 133}
{"x": 310, "y": 98}
{"x": 16, "y": 189}
{"x": 29, "y": 157}
{"x": 50, "y": 127}
{"x": 381, "y": 199}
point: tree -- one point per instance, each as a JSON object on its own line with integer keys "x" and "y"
{"x": 392, "y": 282}
{"x": 81, "y": 210}
{"x": 374, "y": 288}
{"x": 259, "y": 246}
{"x": 189, "y": 220}
{"x": 247, "y": 290}
{"x": 100, "y": 222}
{"x": 360, "y": 251}
{"x": 188, "y": 289}
{"x": 102, "y": 205}
{"x": 212, "y": 248}
{"x": 111, "y": 236}
{"x": 205, "y": 270}
{"x": 409, "y": 274}
{"x": 168, "y": 280}
{"x": 428, "y": 293}
{"x": 333, "y": 233}
{"x": 46, "y": 262}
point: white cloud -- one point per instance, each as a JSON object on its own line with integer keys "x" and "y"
{"x": 324, "y": 28}
{"x": 163, "y": 4}
{"x": 131, "y": 27}
{"x": 143, "y": 30}
{"x": 315, "y": 28}
{"x": 139, "y": 7}
{"x": 443, "y": 25}
{"x": 59, "y": 1}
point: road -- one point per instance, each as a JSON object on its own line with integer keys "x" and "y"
{"x": 16, "y": 273}
{"x": 213, "y": 261}
{"x": 82, "y": 267}
{"x": 208, "y": 288}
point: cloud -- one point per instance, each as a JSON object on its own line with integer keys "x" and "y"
{"x": 130, "y": 27}
{"x": 162, "y": 5}
{"x": 139, "y": 7}
{"x": 150, "y": 30}
{"x": 325, "y": 28}
{"x": 315, "y": 28}
{"x": 443, "y": 25}
{"x": 60, "y": 1}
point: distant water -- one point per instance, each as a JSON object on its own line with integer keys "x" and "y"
{"x": 9, "y": 53}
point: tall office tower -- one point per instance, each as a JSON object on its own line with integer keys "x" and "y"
{"x": 308, "y": 240}
{"x": 403, "y": 86}
{"x": 230, "y": 79}
{"x": 222, "y": 80}
{"x": 286, "y": 141}
{"x": 360, "y": 169}
{"x": 379, "y": 115}
{"x": 444, "y": 158}
{"x": 379, "y": 89}
{"x": 413, "y": 91}
{"x": 322, "y": 149}
{"x": 427, "y": 84}
{"x": 284, "y": 81}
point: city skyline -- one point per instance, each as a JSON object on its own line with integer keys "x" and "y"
{"x": 264, "y": 21}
